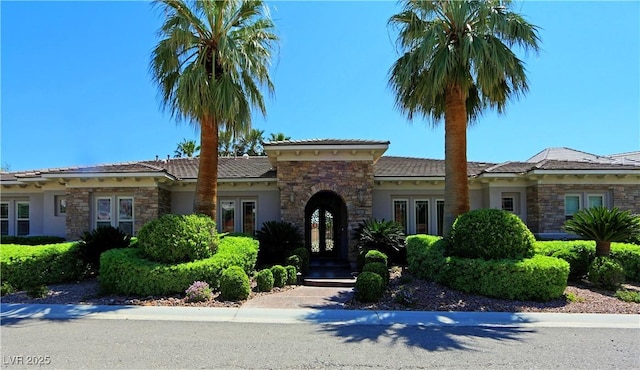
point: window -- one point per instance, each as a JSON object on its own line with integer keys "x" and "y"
{"x": 249, "y": 217}
{"x": 595, "y": 200}
{"x": 422, "y": 216}
{"x": 22, "y": 218}
{"x": 440, "y": 216}
{"x": 227, "y": 210}
{"x": 103, "y": 212}
{"x": 60, "y": 205}
{"x": 4, "y": 218}
{"x": 122, "y": 218}
{"x": 400, "y": 213}
{"x": 572, "y": 204}
{"x": 511, "y": 202}
{"x": 125, "y": 215}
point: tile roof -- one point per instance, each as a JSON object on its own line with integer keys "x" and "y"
{"x": 228, "y": 167}
{"x": 326, "y": 142}
{"x": 577, "y": 165}
{"x": 389, "y": 166}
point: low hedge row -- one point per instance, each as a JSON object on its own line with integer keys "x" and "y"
{"x": 580, "y": 254}
{"x": 126, "y": 271}
{"x": 31, "y": 240}
{"x": 537, "y": 278}
{"x": 24, "y": 266}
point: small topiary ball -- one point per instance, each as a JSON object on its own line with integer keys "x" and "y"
{"x": 490, "y": 234}
{"x": 264, "y": 280}
{"x": 376, "y": 256}
{"x": 234, "y": 284}
{"x": 305, "y": 259}
{"x": 378, "y": 268}
{"x": 178, "y": 238}
{"x": 369, "y": 287}
{"x": 279, "y": 276}
{"x": 606, "y": 273}
{"x": 292, "y": 275}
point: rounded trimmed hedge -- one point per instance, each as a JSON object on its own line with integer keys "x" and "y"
{"x": 375, "y": 255}
{"x": 264, "y": 280}
{"x": 490, "y": 234}
{"x": 539, "y": 278}
{"x": 369, "y": 287}
{"x": 606, "y": 273}
{"x": 178, "y": 238}
{"x": 235, "y": 284}
{"x": 279, "y": 276}
{"x": 292, "y": 275}
{"x": 379, "y": 268}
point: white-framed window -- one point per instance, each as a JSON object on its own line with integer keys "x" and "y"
{"x": 400, "y": 214}
{"x": 249, "y": 224}
{"x": 572, "y": 204}
{"x": 595, "y": 200}
{"x": 4, "y": 218}
{"x": 60, "y": 204}
{"x": 22, "y": 218}
{"x": 115, "y": 211}
{"x": 421, "y": 207}
{"x": 510, "y": 202}
{"x": 440, "y": 216}
{"x": 228, "y": 216}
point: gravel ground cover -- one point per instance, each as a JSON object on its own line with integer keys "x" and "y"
{"x": 404, "y": 293}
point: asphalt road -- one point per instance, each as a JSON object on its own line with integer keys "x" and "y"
{"x": 92, "y": 343}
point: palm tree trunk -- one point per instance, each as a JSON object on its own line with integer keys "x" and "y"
{"x": 207, "y": 186}
{"x": 456, "y": 181}
{"x": 603, "y": 248}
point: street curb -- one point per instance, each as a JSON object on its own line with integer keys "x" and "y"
{"x": 13, "y": 313}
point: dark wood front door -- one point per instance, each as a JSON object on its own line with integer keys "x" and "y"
{"x": 325, "y": 225}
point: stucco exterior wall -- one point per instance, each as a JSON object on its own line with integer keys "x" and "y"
{"x": 36, "y": 210}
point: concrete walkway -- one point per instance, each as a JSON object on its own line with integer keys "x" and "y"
{"x": 303, "y": 297}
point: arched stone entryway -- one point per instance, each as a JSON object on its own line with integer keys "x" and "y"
{"x": 326, "y": 229}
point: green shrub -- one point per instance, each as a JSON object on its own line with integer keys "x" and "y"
{"x": 631, "y": 296}
{"x": 264, "y": 279}
{"x": 376, "y": 256}
{"x": 279, "y": 276}
{"x": 277, "y": 240}
{"x": 606, "y": 273}
{"x": 604, "y": 226}
{"x": 305, "y": 259}
{"x": 579, "y": 255}
{"x": 37, "y": 291}
{"x": 294, "y": 260}
{"x": 178, "y": 238}
{"x": 378, "y": 268}
{"x": 94, "y": 243}
{"x": 385, "y": 236}
{"x": 6, "y": 288}
{"x": 490, "y": 234}
{"x": 199, "y": 291}
{"x": 234, "y": 284}
{"x": 127, "y": 271}
{"x": 31, "y": 240}
{"x": 26, "y": 266}
{"x": 292, "y": 275}
{"x": 369, "y": 287}
{"x": 537, "y": 278}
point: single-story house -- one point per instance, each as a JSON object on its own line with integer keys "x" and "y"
{"x": 325, "y": 187}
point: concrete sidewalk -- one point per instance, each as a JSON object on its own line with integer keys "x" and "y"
{"x": 13, "y": 314}
{"x": 322, "y": 298}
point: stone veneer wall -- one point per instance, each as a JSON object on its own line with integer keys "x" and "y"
{"x": 346, "y": 178}
{"x": 148, "y": 203}
{"x": 545, "y": 203}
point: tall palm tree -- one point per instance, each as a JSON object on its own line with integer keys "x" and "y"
{"x": 456, "y": 63}
{"x": 186, "y": 148}
{"x": 280, "y": 136}
{"x": 251, "y": 143}
{"x": 209, "y": 65}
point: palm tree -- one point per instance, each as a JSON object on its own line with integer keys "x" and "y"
{"x": 251, "y": 143}
{"x": 211, "y": 61}
{"x": 186, "y": 148}
{"x": 280, "y": 136}
{"x": 457, "y": 62}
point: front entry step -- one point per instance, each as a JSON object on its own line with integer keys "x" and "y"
{"x": 330, "y": 273}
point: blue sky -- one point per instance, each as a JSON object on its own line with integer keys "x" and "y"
{"x": 75, "y": 87}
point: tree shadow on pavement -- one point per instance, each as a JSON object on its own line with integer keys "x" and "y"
{"x": 13, "y": 314}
